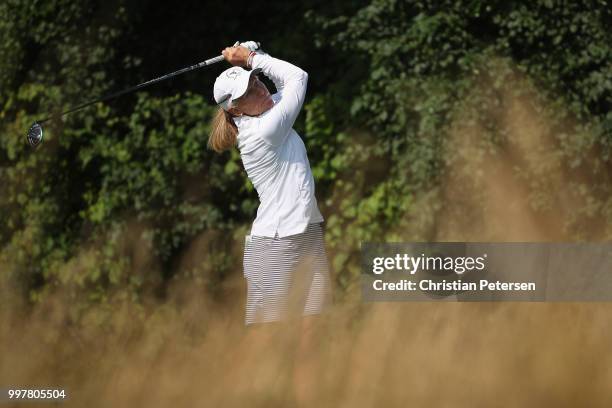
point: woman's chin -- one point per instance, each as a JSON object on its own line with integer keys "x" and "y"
{"x": 269, "y": 103}
{"x": 266, "y": 106}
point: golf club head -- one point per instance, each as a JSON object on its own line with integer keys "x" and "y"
{"x": 35, "y": 134}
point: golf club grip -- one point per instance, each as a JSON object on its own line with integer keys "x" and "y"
{"x": 214, "y": 60}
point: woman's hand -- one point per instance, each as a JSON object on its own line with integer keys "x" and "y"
{"x": 236, "y": 55}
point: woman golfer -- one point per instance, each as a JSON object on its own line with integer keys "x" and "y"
{"x": 285, "y": 264}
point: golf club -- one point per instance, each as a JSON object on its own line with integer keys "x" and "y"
{"x": 35, "y": 133}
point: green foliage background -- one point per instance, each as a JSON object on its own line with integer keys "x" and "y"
{"x": 388, "y": 82}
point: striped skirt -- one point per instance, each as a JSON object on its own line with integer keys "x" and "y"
{"x": 286, "y": 277}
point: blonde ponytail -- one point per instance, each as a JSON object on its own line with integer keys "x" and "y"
{"x": 223, "y": 132}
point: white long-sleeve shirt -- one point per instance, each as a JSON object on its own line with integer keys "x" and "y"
{"x": 274, "y": 155}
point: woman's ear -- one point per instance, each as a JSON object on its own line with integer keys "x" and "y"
{"x": 234, "y": 111}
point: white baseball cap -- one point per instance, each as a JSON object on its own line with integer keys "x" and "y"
{"x": 231, "y": 85}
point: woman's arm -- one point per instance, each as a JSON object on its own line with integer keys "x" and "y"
{"x": 290, "y": 81}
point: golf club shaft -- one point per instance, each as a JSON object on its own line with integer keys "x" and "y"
{"x": 139, "y": 86}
